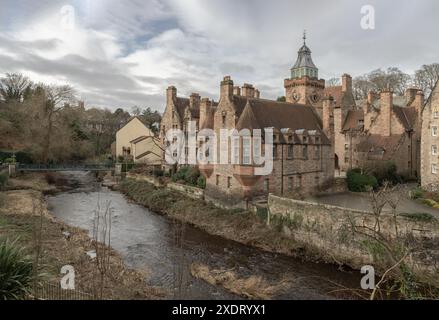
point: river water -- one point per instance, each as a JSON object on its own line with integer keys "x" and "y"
{"x": 166, "y": 249}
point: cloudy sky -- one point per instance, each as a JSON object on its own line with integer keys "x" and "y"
{"x": 125, "y": 53}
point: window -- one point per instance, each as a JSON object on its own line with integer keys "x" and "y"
{"x": 217, "y": 179}
{"x": 246, "y": 159}
{"x": 299, "y": 182}
{"x": 317, "y": 152}
{"x": 434, "y": 150}
{"x": 290, "y": 183}
{"x": 224, "y": 120}
{"x": 317, "y": 140}
{"x": 434, "y": 168}
{"x": 236, "y": 151}
{"x": 305, "y": 139}
{"x": 229, "y": 182}
{"x": 346, "y": 160}
{"x": 274, "y": 151}
{"x": 346, "y": 147}
{"x": 434, "y": 131}
{"x": 267, "y": 185}
{"x": 436, "y": 113}
{"x": 305, "y": 152}
{"x": 290, "y": 151}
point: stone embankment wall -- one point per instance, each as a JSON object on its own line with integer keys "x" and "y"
{"x": 345, "y": 235}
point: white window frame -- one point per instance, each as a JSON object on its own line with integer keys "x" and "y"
{"x": 434, "y": 150}
{"x": 434, "y": 168}
{"x": 434, "y": 131}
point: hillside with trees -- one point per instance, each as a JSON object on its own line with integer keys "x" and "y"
{"x": 48, "y": 124}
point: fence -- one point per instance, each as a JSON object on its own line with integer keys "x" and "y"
{"x": 53, "y": 291}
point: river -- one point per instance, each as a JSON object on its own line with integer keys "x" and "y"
{"x": 166, "y": 249}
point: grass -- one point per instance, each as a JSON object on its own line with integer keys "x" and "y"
{"x": 16, "y": 271}
{"x": 422, "y": 217}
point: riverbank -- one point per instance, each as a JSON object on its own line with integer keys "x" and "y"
{"x": 247, "y": 228}
{"x": 237, "y": 225}
{"x": 23, "y": 212}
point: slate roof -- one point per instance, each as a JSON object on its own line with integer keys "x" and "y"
{"x": 261, "y": 113}
{"x": 375, "y": 143}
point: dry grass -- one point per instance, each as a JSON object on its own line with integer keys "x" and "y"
{"x": 18, "y": 218}
{"x": 253, "y": 287}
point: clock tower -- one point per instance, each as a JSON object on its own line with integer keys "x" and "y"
{"x": 304, "y": 86}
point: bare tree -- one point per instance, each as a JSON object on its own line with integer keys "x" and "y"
{"x": 53, "y": 99}
{"x": 102, "y": 242}
{"x": 427, "y": 77}
{"x": 333, "y": 82}
{"x": 13, "y": 87}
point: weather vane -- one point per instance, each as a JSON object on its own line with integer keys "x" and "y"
{"x": 304, "y": 36}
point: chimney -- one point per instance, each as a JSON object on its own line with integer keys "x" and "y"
{"x": 257, "y": 94}
{"x": 410, "y": 95}
{"x": 227, "y": 88}
{"x": 205, "y": 113}
{"x": 346, "y": 83}
{"x": 386, "y": 110}
{"x": 194, "y": 100}
{"x": 328, "y": 117}
{"x": 419, "y": 102}
{"x": 248, "y": 91}
{"x": 372, "y": 97}
{"x": 237, "y": 91}
{"x": 171, "y": 94}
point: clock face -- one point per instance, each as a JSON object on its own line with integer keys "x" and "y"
{"x": 314, "y": 98}
{"x": 296, "y": 96}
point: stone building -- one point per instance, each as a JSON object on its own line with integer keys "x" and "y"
{"x": 430, "y": 142}
{"x": 380, "y": 129}
{"x": 302, "y": 152}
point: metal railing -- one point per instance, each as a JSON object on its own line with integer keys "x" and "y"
{"x": 64, "y": 167}
{"x": 53, "y": 291}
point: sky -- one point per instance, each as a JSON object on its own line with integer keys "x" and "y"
{"x": 126, "y": 53}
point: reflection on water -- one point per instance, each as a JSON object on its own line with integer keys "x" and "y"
{"x": 167, "y": 248}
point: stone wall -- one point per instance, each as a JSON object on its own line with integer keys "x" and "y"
{"x": 152, "y": 180}
{"x": 429, "y": 179}
{"x": 191, "y": 192}
{"x": 328, "y": 230}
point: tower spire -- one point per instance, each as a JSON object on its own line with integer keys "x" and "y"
{"x": 304, "y": 37}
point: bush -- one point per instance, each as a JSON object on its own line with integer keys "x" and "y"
{"x": 424, "y": 217}
{"x": 191, "y": 176}
{"x": 387, "y": 172}
{"x": 359, "y": 182}
{"x": 4, "y": 177}
{"x": 201, "y": 182}
{"x": 417, "y": 193}
{"x": 15, "y": 271}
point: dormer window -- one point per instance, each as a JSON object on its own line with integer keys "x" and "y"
{"x": 305, "y": 139}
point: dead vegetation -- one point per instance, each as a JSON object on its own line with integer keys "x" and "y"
{"x": 252, "y": 287}
{"x": 59, "y": 244}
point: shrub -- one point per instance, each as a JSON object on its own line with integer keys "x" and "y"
{"x": 424, "y": 217}
{"x": 417, "y": 193}
{"x": 3, "y": 180}
{"x": 201, "y": 182}
{"x": 15, "y": 271}
{"x": 359, "y": 182}
{"x": 386, "y": 172}
{"x": 191, "y": 176}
